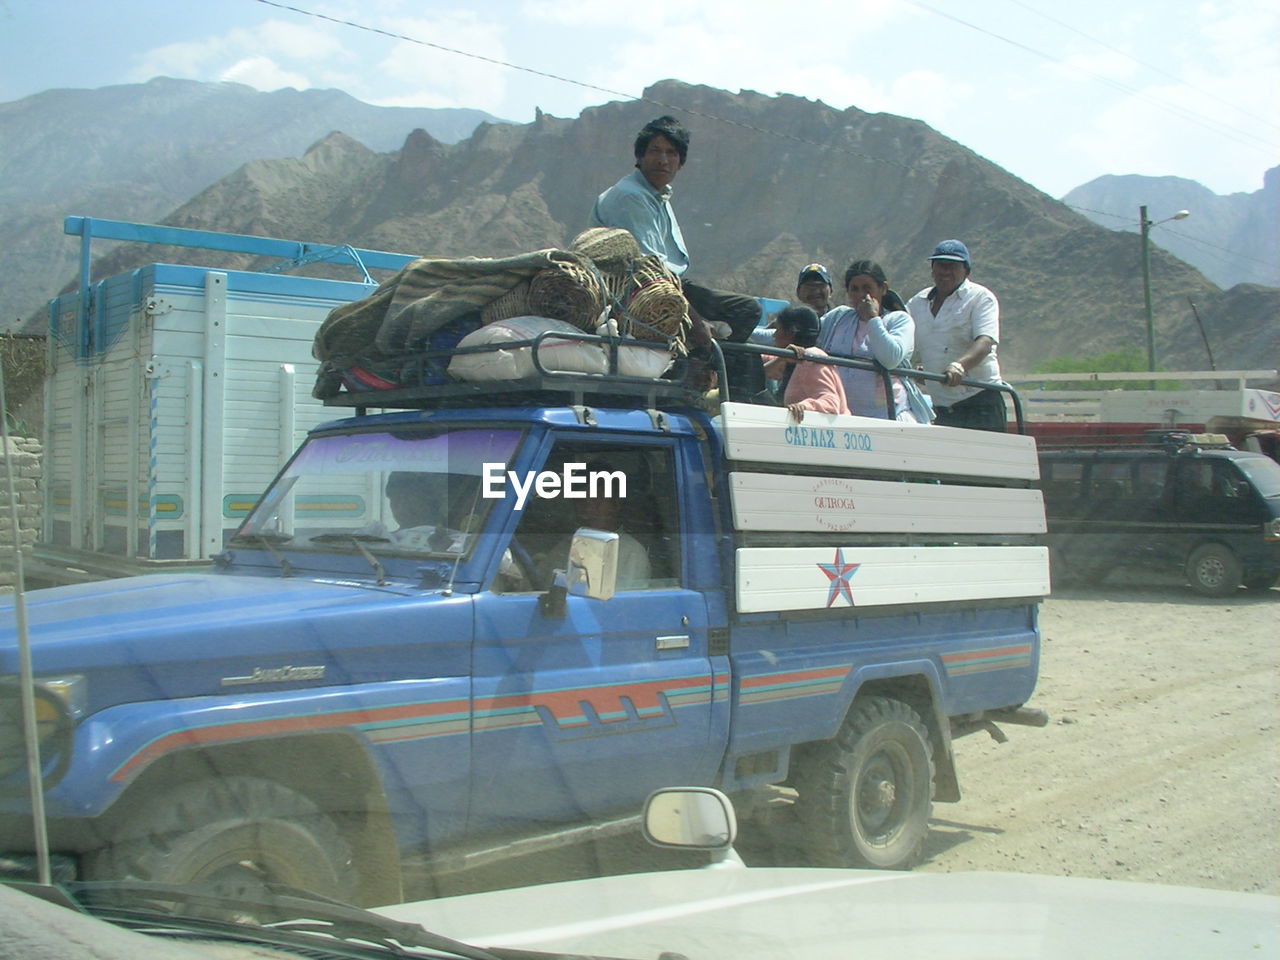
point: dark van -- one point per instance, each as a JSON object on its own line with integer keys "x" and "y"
{"x": 1180, "y": 502}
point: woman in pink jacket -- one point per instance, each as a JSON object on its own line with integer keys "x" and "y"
{"x": 805, "y": 385}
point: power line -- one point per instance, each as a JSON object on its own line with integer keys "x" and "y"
{"x": 682, "y": 109}
{"x": 1221, "y": 129}
{"x": 1132, "y": 221}
{"x": 1149, "y": 66}
{"x": 640, "y": 98}
{"x": 1234, "y": 253}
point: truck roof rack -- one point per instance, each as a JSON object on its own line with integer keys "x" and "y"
{"x": 1171, "y": 441}
{"x": 423, "y": 385}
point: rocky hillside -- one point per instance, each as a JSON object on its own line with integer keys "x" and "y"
{"x": 1230, "y": 239}
{"x": 136, "y": 152}
{"x": 819, "y": 184}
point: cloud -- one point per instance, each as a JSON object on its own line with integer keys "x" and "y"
{"x": 737, "y": 45}
{"x": 273, "y": 54}
{"x": 415, "y": 74}
{"x": 262, "y": 73}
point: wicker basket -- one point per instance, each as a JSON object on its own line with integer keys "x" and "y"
{"x": 654, "y": 302}
{"x": 568, "y": 291}
{"x": 513, "y": 303}
{"x": 612, "y": 249}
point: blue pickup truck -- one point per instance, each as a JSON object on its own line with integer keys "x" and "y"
{"x": 487, "y": 619}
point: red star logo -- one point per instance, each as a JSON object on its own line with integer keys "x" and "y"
{"x": 839, "y": 573}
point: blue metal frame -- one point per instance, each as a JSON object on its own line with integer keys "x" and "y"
{"x": 293, "y": 252}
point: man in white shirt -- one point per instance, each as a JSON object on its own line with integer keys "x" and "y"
{"x": 957, "y": 326}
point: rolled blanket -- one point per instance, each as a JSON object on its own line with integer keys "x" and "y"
{"x": 405, "y": 310}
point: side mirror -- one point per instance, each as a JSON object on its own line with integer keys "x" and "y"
{"x": 591, "y": 571}
{"x": 692, "y": 818}
{"x": 593, "y": 564}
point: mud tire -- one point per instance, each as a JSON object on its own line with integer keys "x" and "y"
{"x": 865, "y": 797}
{"x": 237, "y": 830}
{"x": 1214, "y": 570}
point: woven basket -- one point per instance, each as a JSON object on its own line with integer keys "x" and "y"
{"x": 655, "y": 302}
{"x": 610, "y": 248}
{"x": 568, "y": 291}
{"x": 513, "y": 303}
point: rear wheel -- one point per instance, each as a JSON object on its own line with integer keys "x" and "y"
{"x": 1214, "y": 570}
{"x": 866, "y": 796}
{"x": 235, "y": 830}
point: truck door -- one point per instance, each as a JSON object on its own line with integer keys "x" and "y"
{"x": 585, "y": 712}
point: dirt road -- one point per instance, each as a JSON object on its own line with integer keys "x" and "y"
{"x": 1162, "y": 759}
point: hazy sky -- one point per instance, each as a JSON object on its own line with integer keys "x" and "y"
{"x": 1056, "y": 93}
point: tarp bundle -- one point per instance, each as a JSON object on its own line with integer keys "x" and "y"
{"x": 431, "y": 299}
{"x": 399, "y": 317}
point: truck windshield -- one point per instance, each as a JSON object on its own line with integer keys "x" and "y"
{"x": 413, "y": 491}
{"x": 1263, "y": 472}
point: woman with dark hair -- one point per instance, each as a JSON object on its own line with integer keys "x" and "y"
{"x": 805, "y": 385}
{"x": 875, "y": 326}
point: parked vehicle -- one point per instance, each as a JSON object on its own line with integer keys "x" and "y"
{"x": 361, "y": 686}
{"x": 174, "y": 394}
{"x": 1178, "y": 502}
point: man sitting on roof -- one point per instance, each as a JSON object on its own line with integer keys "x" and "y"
{"x": 641, "y": 203}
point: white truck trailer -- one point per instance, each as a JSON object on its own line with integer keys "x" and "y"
{"x": 174, "y": 395}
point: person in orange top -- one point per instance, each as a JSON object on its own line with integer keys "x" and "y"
{"x": 805, "y": 385}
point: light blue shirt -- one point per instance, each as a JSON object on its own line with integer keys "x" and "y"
{"x": 888, "y": 339}
{"x": 634, "y": 205}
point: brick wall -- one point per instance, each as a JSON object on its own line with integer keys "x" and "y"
{"x": 26, "y": 458}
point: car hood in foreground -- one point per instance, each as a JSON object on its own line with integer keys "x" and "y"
{"x": 810, "y": 913}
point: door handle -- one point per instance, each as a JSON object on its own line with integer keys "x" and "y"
{"x": 678, "y": 642}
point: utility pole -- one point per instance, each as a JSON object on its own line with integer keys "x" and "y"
{"x": 1145, "y": 226}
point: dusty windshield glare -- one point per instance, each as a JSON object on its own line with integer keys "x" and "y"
{"x": 396, "y": 491}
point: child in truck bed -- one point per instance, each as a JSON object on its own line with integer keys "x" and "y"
{"x": 805, "y": 385}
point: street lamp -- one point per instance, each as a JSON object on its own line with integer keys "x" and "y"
{"x": 1146, "y": 226}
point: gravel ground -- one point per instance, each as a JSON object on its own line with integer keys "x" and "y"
{"x": 1160, "y": 762}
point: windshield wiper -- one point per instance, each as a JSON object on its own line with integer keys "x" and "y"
{"x": 263, "y": 913}
{"x": 260, "y": 538}
{"x": 266, "y": 540}
{"x": 357, "y": 537}
{"x": 358, "y": 540}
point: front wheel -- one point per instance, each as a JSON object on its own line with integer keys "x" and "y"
{"x": 866, "y": 796}
{"x": 236, "y": 830}
{"x": 1214, "y": 570}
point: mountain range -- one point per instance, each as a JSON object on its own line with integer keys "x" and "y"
{"x": 1231, "y": 239}
{"x": 772, "y": 183}
{"x": 138, "y": 151}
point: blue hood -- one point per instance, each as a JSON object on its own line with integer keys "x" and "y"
{"x": 178, "y": 635}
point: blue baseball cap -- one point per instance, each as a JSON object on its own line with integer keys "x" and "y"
{"x": 814, "y": 271}
{"x": 951, "y": 250}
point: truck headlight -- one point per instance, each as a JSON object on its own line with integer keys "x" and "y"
{"x": 58, "y": 702}
{"x": 1271, "y": 529}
